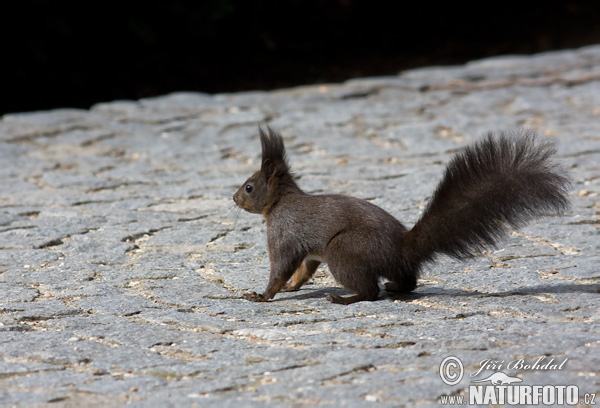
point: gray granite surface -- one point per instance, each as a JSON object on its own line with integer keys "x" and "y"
{"x": 123, "y": 259}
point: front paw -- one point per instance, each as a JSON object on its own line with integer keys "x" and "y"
{"x": 254, "y": 297}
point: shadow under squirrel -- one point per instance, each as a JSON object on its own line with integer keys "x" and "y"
{"x": 501, "y": 182}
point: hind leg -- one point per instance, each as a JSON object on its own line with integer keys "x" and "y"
{"x": 302, "y": 275}
{"x": 356, "y": 278}
{"x": 405, "y": 285}
{"x": 402, "y": 279}
{"x": 354, "y": 266}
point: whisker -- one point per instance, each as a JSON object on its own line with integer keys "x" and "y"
{"x": 236, "y": 212}
{"x": 231, "y": 209}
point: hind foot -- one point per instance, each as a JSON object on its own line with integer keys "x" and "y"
{"x": 396, "y": 287}
{"x": 346, "y": 300}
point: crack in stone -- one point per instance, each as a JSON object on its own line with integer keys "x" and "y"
{"x": 219, "y": 235}
{"x": 17, "y": 228}
{"x": 115, "y": 186}
{"x": 462, "y": 85}
{"x": 563, "y": 249}
{"x": 192, "y": 218}
{"x": 51, "y": 243}
{"x": 143, "y": 235}
{"x": 35, "y": 134}
{"x": 364, "y": 368}
{"x": 98, "y": 139}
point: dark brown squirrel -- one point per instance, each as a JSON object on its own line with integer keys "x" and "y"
{"x": 499, "y": 183}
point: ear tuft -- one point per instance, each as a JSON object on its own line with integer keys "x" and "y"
{"x": 273, "y": 152}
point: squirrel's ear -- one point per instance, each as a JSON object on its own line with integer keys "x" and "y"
{"x": 273, "y": 151}
{"x": 267, "y": 168}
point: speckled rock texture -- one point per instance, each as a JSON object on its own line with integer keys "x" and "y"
{"x": 123, "y": 259}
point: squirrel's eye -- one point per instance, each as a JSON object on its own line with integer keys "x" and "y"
{"x": 248, "y": 188}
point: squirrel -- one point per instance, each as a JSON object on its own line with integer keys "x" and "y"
{"x": 501, "y": 182}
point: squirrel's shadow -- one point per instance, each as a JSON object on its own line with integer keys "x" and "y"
{"x": 306, "y": 293}
{"x": 433, "y": 291}
{"x": 530, "y": 290}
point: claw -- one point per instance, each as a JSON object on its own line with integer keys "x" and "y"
{"x": 254, "y": 297}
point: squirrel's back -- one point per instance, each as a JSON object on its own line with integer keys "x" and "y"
{"x": 314, "y": 220}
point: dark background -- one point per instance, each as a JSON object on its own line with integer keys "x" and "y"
{"x": 75, "y": 54}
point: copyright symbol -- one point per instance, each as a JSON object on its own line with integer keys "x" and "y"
{"x": 451, "y": 370}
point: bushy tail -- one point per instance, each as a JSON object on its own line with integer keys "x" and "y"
{"x": 502, "y": 182}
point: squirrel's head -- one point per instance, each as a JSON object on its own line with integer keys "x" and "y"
{"x": 262, "y": 190}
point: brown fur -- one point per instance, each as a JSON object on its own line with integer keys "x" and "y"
{"x": 498, "y": 183}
